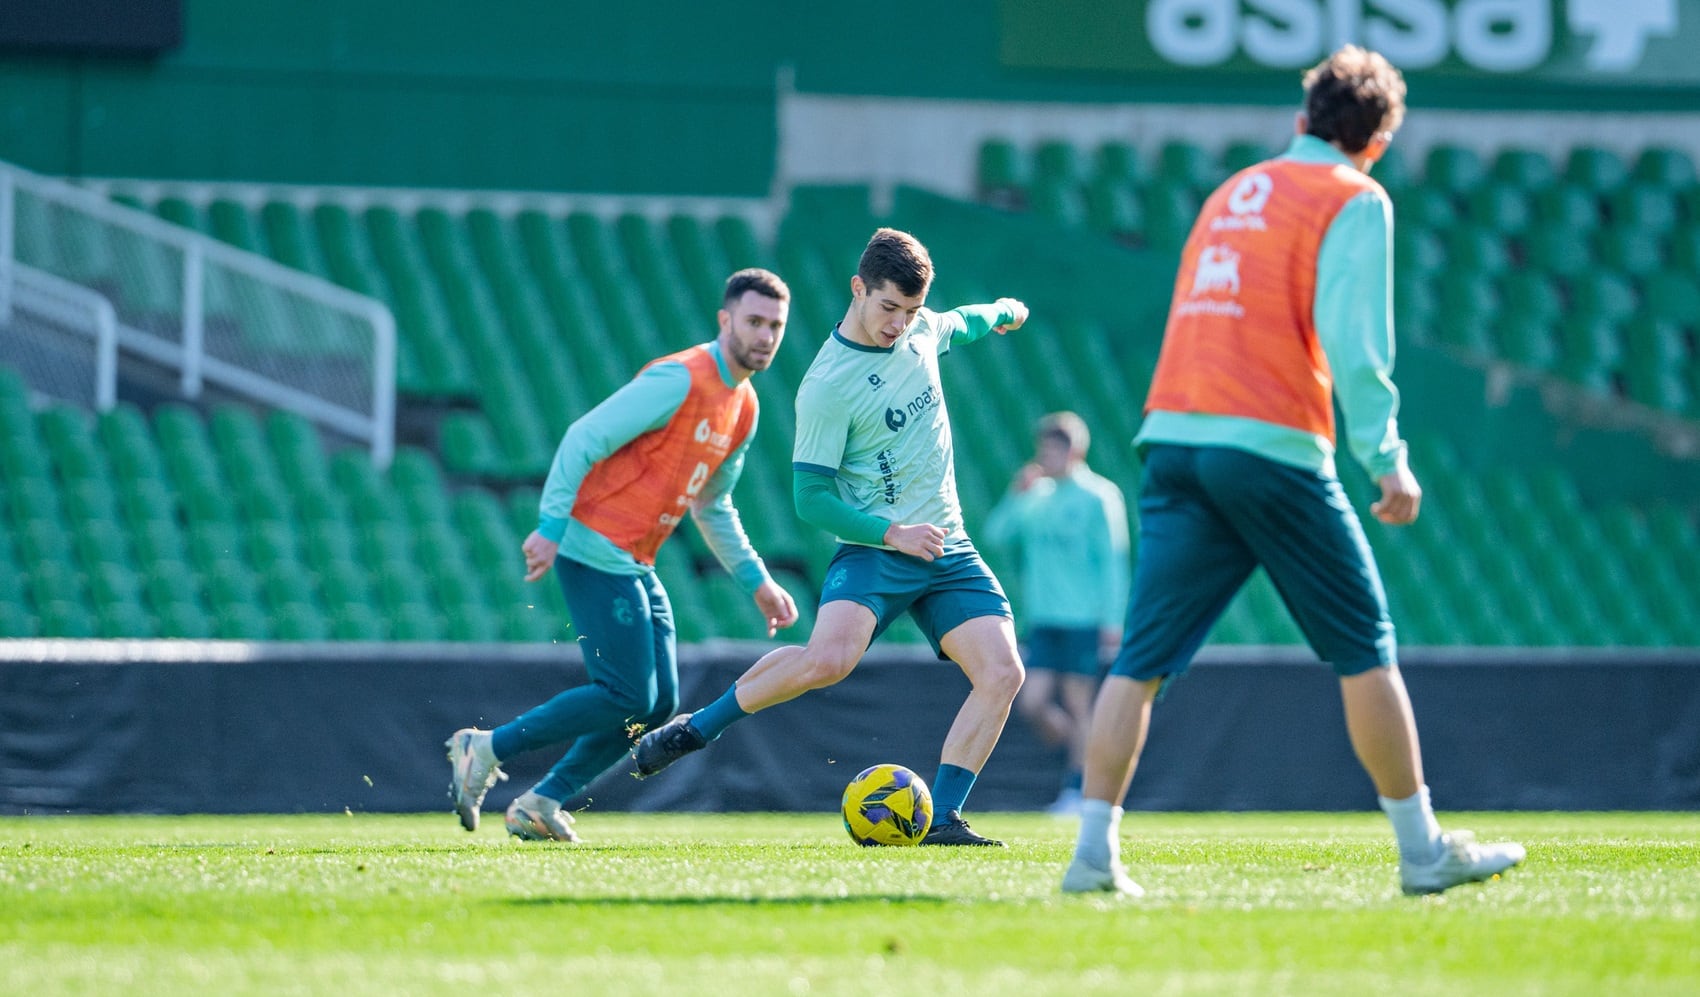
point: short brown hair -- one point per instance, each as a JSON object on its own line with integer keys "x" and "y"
{"x": 1067, "y": 427}
{"x": 897, "y": 258}
{"x": 764, "y": 282}
{"x": 1351, "y": 96}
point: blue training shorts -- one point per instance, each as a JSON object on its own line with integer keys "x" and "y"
{"x": 940, "y": 595}
{"x": 1208, "y": 517}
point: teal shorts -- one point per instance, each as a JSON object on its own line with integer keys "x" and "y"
{"x": 1066, "y": 650}
{"x": 939, "y": 595}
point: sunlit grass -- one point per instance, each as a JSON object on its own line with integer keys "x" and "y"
{"x": 785, "y": 903}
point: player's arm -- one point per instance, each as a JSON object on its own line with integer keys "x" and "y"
{"x": 814, "y": 490}
{"x": 641, "y": 405}
{"x": 966, "y": 323}
{"x": 1353, "y": 311}
{"x": 723, "y": 530}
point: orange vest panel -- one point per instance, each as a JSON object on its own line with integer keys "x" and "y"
{"x": 1241, "y": 336}
{"x": 639, "y": 493}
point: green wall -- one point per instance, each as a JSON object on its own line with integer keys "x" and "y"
{"x": 667, "y": 96}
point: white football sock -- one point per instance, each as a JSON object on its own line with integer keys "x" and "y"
{"x": 1099, "y": 844}
{"x": 1414, "y": 825}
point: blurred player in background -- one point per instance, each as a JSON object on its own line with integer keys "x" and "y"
{"x": 875, "y": 467}
{"x": 1281, "y": 306}
{"x": 1068, "y": 528}
{"x": 671, "y": 440}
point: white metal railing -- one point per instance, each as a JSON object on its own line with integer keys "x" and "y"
{"x": 71, "y": 306}
{"x": 209, "y": 312}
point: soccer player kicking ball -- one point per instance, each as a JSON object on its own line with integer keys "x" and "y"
{"x": 1281, "y": 305}
{"x": 873, "y": 465}
{"x": 670, "y": 441}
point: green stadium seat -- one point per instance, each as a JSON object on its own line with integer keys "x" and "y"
{"x": 63, "y": 618}
{"x": 1528, "y": 340}
{"x": 1666, "y": 167}
{"x": 1113, "y": 209}
{"x": 1533, "y": 294}
{"x": 1603, "y": 294}
{"x": 999, "y": 175}
{"x": 1057, "y": 160}
{"x": 1453, "y": 170}
{"x": 1631, "y": 251}
{"x": 1501, "y": 208}
{"x": 1590, "y": 343}
{"x": 1190, "y": 166}
{"x": 1471, "y": 304}
{"x": 1673, "y": 296}
{"x": 1417, "y": 251}
{"x": 1595, "y": 169}
{"x": 1477, "y": 251}
{"x": 1644, "y": 207}
{"x": 1169, "y": 213}
{"x": 1558, "y": 250}
{"x": 1119, "y": 163}
{"x": 1244, "y": 155}
{"x": 1057, "y": 201}
{"x": 1569, "y": 206}
{"x": 1525, "y": 169}
{"x": 1425, "y": 207}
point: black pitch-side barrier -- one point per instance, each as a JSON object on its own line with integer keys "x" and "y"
{"x": 214, "y": 727}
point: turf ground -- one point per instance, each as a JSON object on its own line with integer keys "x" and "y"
{"x": 785, "y": 904}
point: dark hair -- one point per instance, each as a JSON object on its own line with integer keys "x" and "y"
{"x": 764, "y": 282}
{"x": 1351, "y": 96}
{"x": 1067, "y": 427}
{"x": 896, "y": 258}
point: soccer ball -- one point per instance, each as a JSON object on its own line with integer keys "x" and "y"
{"x": 887, "y": 805}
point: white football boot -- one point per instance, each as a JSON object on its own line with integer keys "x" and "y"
{"x": 1461, "y": 860}
{"x": 473, "y": 770}
{"x": 1084, "y": 878}
{"x": 538, "y": 818}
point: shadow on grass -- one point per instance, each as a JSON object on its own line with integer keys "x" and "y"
{"x": 806, "y": 900}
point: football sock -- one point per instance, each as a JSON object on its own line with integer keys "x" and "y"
{"x": 1099, "y": 844}
{"x": 1414, "y": 825}
{"x": 712, "y": 720}
{"x": 950, "y": 789}
{"x": 1071, "y": 780}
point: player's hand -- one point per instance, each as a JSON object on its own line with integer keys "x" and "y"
{"x": 539, "y": 555}
{"x": 1401, "y": 496}
{"x": 776, "y": 605}
{"x": 1017, "y": 309}
{"x": 922, "y": 540}
{"x": 1028, "y": 474}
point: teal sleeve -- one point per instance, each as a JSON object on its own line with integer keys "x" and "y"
{"x": 717, "y": 519}
{"x": 1354, "y": 323}
{"x": 642, "y": 405}
{"x": 816, "y": 497}
{"x": 1003, "y": 523}
{"x": 977, "y": 320}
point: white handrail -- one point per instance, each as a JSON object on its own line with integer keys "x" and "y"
{"x": 73, "y": 305}
{"x": 198, "y": 254}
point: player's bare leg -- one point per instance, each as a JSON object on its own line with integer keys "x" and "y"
{"x": 1383, "y": 731}
{"x": 842, "y": 632}
{"x": 1037, "y": 704}
{"x": 984, "y": 648}
{"x": 1120, "y": 719}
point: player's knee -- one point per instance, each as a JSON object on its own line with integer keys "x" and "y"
{"x": 638, "y": 700}
{"x": 1002, "y": 677}
{"x": 830, "y": 665}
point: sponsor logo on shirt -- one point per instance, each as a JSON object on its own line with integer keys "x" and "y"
{"x": 1245, "y": 205}
{"x": 1217, "y": 273}
{"x": 706, "y": 434}
{"x": 874, "y": 379}
{"x": 888, "y": 474}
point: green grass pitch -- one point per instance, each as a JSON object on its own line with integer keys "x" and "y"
{"x": 785, "y": 904}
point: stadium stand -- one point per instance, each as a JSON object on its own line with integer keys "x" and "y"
{"x": 226, "y": 521}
